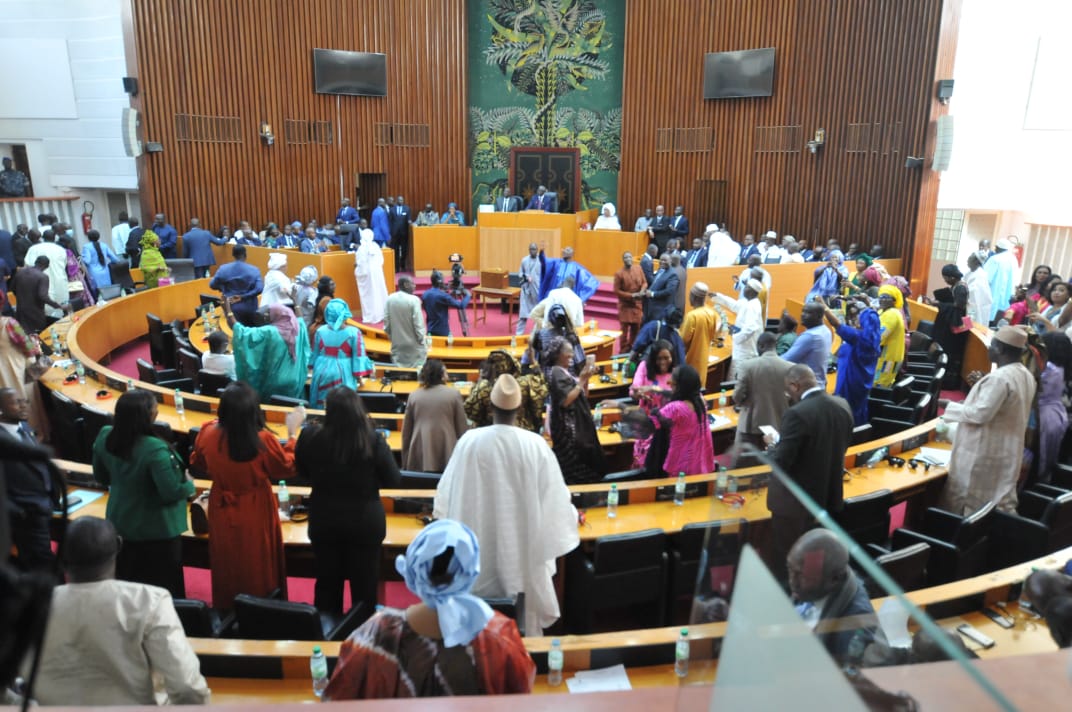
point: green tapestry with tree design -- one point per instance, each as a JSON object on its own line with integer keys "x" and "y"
{"x": 546, "y": 73}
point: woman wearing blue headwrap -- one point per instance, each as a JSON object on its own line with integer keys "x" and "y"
{"x": 451, "y": 643}
{"x": 858, "y": 356}
{"x": 338, "y": 357}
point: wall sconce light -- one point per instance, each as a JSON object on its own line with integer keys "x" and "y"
{"x": 818, "y": 141}
{"x": 914, "y": 162}
{"x": 945, "y": 90}
{"x": 266, "y": 133}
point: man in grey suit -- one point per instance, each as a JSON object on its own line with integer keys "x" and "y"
{"x": 814, "y": 434}
{"x": 507, "y": 202}
{"x": 760, "y": 393}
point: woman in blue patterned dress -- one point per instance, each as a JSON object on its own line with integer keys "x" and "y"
{"x": 338, "y": 357}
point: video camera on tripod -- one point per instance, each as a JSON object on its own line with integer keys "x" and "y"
{"x": 457, "y": 270}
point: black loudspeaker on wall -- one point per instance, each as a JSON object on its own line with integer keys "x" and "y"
{"x": 130, "y": 85}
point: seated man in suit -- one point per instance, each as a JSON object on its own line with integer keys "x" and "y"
{"x": 830, "y": 598}
{"x": 542, "y": 200}
{"x": 112, "y": 642}
{"x": 507, "y": 202}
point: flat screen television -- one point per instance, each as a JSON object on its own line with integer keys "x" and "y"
{"x": 746, "y": 72}
{"x": 337, "y": 71}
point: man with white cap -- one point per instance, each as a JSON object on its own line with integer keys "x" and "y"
{"x": 505, "y": 484}
{"x": 749, "y": 323}
{"x": 278, "y": 289}
{"x": 698, "y": 329}
{"x": 1001, "y": 274}
{"x": 988, "y": 448}
{"x": 773, "y": 253}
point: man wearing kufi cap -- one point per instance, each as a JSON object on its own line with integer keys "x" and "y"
{"x": 989, "y": 441}
{"x": 698, "y": 329}
{"x": 505, "y": 484}
{"x": 749, "y": 323}
{"x": 1001, "y": 274}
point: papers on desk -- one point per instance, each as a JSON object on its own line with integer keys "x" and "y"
{"x": 935, "y": 456}
{"x": 717, "y": 421}
{"x": 86, "y": 496}
{"x": 893, "y": 618}
{"x": 610, "y": 679}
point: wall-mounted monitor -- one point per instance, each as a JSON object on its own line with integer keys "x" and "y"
{"x": 746, "y": 72}
{"x": 337, "y": 71}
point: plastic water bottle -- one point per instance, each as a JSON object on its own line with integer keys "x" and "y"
{"x": 733, "y": 485}
{"x": 284, "y": 501}
{"x": 681, "y": 654}
{"x": 54, "y": 338}
{"x": 318, "y": 666}
{"x": 679, "y": 489}
{"x": 130, "y": 384}
{"x": 722, "y": 400}
{"x": 941, "y": 430}
{"x": 513, "y": 342}
{"x": 180, "y": 409}
{"x": 721, "y": 483}
{"x": 597, "y": 417}
{"x": 612, "y": 502}
{"x": 81, "y": 371}
{"x": 554, "y": 663}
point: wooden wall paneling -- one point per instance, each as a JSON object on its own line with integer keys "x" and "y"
{"x": 837, "y": 64}
{"x": 253, "y": 61}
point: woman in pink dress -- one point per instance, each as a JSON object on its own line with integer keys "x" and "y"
{"x": 651, "y": 388}
{"x": 685, "y": 414}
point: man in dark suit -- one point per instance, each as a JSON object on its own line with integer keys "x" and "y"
{"x": 7, "y": 254}
{"x": 814, "y": 434}
{"x": 679, "y": 226}
{"x": 197, "y": 246}
{"x": 697, "y": 256}
{"x": 647, "y": 263}
{"x": 400, "y": 219}
{"x": 748, "y": 248}
{"x": 659, "y": 229}
{"x": 31, "y": 492}
{"x": 663, "y": 291}
{"x": 31, "y": 296}
{"x": 507, "y": 202}
{"x": 542, "y": 200}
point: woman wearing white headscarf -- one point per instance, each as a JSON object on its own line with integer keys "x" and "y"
{"x": 278, "y": 289}
{"x": 371, "y": 286}
{"x": 451, "y": 643}
{"x": 305, "y": 293}
{"x": 608, "y": 218}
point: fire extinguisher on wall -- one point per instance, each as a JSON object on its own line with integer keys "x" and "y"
{"x": 87, "y": 216}
{"x": 1017, "y": 249}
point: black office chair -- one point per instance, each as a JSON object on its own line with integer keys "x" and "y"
{"x": 926, "y": 327}
{"x": 960, "y": 546}
{"x": 897, "y": 393}
{"x": 703, "y": 561}
{"x": 210, "y": 384}
{"x": 381, "y": 402}
{"x": 512, "y": 607}
{"x": 161, "y": 342}
{"x": 182, "y": 270}
{"x": 188, "y": 364}
{"x": 885, "y": 427}
{"x": 907, "y": 567}
{"x": 93, "y": 421}
{"x": 862, "y": 434}
{"x": 67, "y": 428}
{"x": 201, "y": 621}
{"x": 866, "y": 518}
{"x": 413, "y": 480}
{"x": 624, "y": 570}
{"x": 259, "y": 618}
{"x": 120, "y": 274}
{"x": 919, "y": 343}
{"x": 1041, "y": 525}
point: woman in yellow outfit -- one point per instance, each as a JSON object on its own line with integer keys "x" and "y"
{"x": 890, "y": 302}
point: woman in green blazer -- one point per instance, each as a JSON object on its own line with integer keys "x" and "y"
{"x": 147, "y": 492}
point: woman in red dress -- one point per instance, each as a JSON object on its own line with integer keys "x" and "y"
{"x": 243, "y": 458}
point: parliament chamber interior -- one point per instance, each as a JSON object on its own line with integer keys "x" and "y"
{"x": 476, "y": 347}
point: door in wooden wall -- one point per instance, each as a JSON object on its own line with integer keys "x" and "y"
{"x": 558, "y": 169}
{"x": 369, "y": 187}
{"x": 709, "y": 207}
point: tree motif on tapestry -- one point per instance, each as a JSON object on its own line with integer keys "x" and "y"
{"x": 547, "y": 49}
